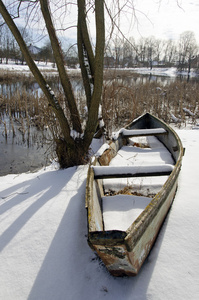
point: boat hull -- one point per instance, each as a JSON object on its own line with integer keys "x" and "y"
{"x": 124, "y": 252}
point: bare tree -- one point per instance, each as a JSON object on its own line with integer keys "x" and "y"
{"x": 151, "y": 50}
{"x": 187, "y": 50}
{"x": 129, "y": 53}
{"x": 142, "y": 50}
{"x": 170, "y": 51}
{"x": 71, "y": 150}
{"x": 45, "y": 54}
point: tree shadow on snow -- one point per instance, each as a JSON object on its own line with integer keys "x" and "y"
{"x": 63, "y": 268}
{"x": 41, "y": 187}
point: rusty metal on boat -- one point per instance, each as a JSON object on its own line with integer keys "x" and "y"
{"x": 124, "y": 252}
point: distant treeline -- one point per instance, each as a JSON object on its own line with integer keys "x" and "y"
{"x": 119, "y": 53}
{"x": 152, "y": 52}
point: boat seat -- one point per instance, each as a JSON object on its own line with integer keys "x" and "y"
{"x": 103, "y": 172}
{"x": 143, "y": 132}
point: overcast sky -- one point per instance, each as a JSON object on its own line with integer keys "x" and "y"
{"x": 165, "y": 19}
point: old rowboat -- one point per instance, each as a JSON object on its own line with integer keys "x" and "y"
{"x": 130, "y": 188}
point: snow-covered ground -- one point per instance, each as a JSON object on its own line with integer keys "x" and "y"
{"x": 43, "y": 67}
{"x": 49, "y": 67}
{"x": 43, "y": 243}
{"x": 44, "y": 253}
{"x": 171, "y": 72}
{"x": 18, "y": 67}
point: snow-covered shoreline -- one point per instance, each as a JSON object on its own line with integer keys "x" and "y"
{"x": 49, "y": 68}
{"x": 44, "y": 251}
{"x": 43, "y": 67}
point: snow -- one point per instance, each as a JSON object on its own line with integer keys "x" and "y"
{"x": 103, "y": 148}
{"x": 49, "y": 67}
{"x": 44, "y": 251}
{"x": 156, "y": 155}
{"x": 120, "y": 211}
{"x": 43, "y": 67}
{"x": 43, "y": 243}
{"x": 171, "y": 72}
{"x": 11, "y": 66}
{"x": 137, "y": 132}
{"x": 101, "y": 171}
{"x": 188, "y": 112}
{"x": 174, "y": 118}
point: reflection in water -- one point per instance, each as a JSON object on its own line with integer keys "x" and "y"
{"x": 23, "y": 152}
{"x": 17, "y": 158}
{"x": 24, "y": 146}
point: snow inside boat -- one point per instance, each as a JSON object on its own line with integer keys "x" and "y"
{"x": 130, "y": 188}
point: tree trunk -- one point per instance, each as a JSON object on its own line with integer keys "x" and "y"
{"x": 85, "y": 52}
{"x": 71, "y": 151}
{"x": 53, "y": 102}
{"x": 98, "y": 74}
{"x": 66, "y": 84}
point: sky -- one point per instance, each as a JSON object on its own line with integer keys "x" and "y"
{"x": 164, "y": 19}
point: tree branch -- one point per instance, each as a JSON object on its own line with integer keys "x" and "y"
{"x": 98, "y": 74}
{"x": 66, "y": 84}
{"x": 85, "y": 36}
{"x": 37, "y": 74}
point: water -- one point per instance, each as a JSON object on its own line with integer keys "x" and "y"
{"x": 23, "y": 152}
{"x": 30, "y": 151}
{"x": 16, "y": 158}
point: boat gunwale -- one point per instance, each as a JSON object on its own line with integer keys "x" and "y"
{"x": 158, "y": 200}
{"x": 135, "y": 231}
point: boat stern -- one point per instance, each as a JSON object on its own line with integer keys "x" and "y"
{"x": 110, "y": 247}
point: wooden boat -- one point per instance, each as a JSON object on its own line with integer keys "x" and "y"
{"x": 123, "y": 250}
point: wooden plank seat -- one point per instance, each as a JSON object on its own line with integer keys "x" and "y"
{"x": 142, "y": 132}
{"x": 104, "y": 172}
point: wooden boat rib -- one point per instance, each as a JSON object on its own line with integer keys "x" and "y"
{"x": 123, "y": 251}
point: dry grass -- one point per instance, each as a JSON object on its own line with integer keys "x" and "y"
{"x": 128, "y": 190}
{"x": 125, "y": 97}
{"x": 10, "y": 76}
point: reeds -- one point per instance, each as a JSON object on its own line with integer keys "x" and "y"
{"x": 22, "y": 115}
{"x": 125, "y": 97}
